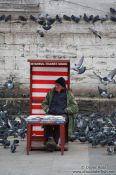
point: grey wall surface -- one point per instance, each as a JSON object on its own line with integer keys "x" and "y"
{"x": 19, "y": 41}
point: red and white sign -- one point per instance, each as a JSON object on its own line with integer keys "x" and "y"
{"x": 43, "y": 74}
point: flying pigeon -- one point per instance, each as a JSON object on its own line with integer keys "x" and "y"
{"x": 41, "y": 33}
{"x": 112, "y": 11}
{"x": 96, "y": 33}
{"x": 79, "y": 66}
{"x": 107, "y": 79}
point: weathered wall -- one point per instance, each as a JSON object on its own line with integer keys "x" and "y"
{"x": 68, "y": 40}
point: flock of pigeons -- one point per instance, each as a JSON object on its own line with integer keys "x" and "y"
{"x": 11, "y": 129}
{"x": 96, "y": 129}
{"x": 80, "y": 69}
{"x": 93, "y": 128}
{"x": 47, "y": 21}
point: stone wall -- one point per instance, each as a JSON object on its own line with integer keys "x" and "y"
{"x": 19, "y": 41}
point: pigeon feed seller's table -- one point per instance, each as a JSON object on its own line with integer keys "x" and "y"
{"x": 46, "y": 120}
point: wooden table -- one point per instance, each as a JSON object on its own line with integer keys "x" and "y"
{"x": 29, "y": 134}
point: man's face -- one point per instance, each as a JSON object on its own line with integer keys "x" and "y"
{"x": 58, "y": 87}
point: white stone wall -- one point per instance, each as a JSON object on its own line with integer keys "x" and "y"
{"x": 20, "y": 42}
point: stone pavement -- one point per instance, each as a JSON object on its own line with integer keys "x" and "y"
{"x": 81, "y": 159}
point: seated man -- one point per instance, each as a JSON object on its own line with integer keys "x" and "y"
{"x": 60, "y": 101}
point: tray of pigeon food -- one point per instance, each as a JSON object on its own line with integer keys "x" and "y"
{"x": 45, "y": 119}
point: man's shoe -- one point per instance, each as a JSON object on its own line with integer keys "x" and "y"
{"x": 51, "y": 146}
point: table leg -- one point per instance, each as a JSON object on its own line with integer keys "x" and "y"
{"x": 29, "y": 135}
{"x": 62, "y": 137}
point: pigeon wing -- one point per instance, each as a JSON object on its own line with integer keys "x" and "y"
{"x": 98, "y": 76}
{"x": 111, "y": 74}
{"x": 100, "y": 90}
{"x": 80, "y": 62}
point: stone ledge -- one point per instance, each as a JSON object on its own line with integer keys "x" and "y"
{"x": 77, "y": 98}
{"x": 95, "y": 99}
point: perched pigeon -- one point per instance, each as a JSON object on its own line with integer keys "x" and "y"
{"x": 107, "y": 79}
{"x": 95, "y": 19}
{"x": 8, "y": 18}
{"x": 58, "y": 19}
{"x": 22, "y": 18}
{"x": 13, "y": 147}
{"x": 104, "y": 93}
{"x": 109, "y": 150}
{"x": 6, "y": 143}
{"x": 2, "y": 17}
{"x": 85, "y": 18}
{"x": 115, "y": 149}
{"x": 33, "y": 18}
{"x": 67, "y": 18}
{"x": 104, "y": 18}
{"x": 112, "y": 18}
{"x": 46, "y": 22}
{"x": 9, "y": 84}
{"x": 75, "y": 19}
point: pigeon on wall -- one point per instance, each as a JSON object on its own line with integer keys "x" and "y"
{"x": 67, "y": 18}
{"x": 8, "y": 18}
{"x": 22, "y": 18}
{"x": 104, "y": 93}
{"x": 112, "y": 18}
{"x": 75, "y": 19}
{"x": 58, "y": 19}
{"x": 95, "y": 19}
{"x": 2, "y": 17}
{"x": 46, "y": 22}
{"x": 9, "y": 84}
{"x": 33, "y": 18}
